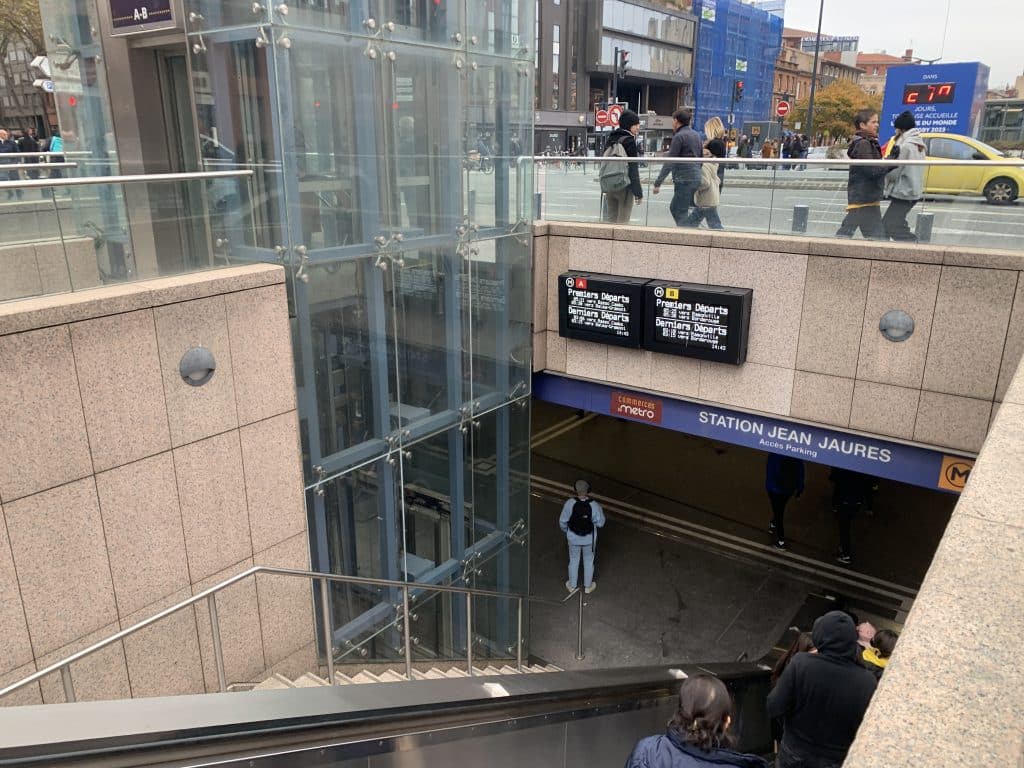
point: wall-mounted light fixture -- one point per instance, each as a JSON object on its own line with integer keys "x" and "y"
{"x": 197, "y": 366}
{"x": 896, "y": 325}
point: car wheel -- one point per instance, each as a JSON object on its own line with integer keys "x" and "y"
{"x": 1001, "y": 191}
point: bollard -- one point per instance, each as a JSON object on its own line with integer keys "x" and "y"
{"x": 923, "y": 230}
{"x": 537, "y": 205}
{"x": 801, "y": 213}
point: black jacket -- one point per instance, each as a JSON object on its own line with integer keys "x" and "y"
{"x": 822, "y": 697}
{"x": 670, "y": 751}
{"x": 685, "y": 143}
{"x": 29, "y": 144}
{"x": 866, "y": 183}
{"x": 8, "y": 147}
{"x": 628, "y": 142}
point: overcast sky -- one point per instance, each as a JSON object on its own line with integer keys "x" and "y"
{"x": 988, "y": 31}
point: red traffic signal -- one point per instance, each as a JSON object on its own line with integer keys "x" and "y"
{"x": 737, "y": 91}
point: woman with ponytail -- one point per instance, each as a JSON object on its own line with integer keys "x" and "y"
{"x": 697, "y": 735}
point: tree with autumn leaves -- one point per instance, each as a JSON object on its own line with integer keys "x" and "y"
{"x": 834, "y": 108}
{"x": 21, "y": 29}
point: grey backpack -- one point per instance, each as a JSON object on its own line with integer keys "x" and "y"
{"x": 614, "y": 177}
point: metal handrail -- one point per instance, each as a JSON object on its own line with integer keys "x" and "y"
{"x": 845, "y": 161}
{"x": 80, "y": 181}
{"x": 210, "y": 595}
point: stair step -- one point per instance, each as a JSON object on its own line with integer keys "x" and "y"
{"x": 342, "y": 679}
{"x": 486, "y": 671}
{"x": 275, "y": 682}
{"x": 507, "y": 670}
{"x": 365, "y": 677}
{"x": 309, "y": 680}
{"x": 552, "y": 668}
{"x": 433, "y": 674}
{"x": 417, "y": 675}
{"x": 390, "y": 676}
{"x": 456, "y": 672}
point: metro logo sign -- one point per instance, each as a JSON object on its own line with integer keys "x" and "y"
{"x": 634, "y": 407}
{"x": 581, "y": 284}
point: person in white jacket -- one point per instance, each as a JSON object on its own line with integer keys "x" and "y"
{"x": 904, "y": 184}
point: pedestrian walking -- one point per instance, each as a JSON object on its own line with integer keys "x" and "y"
{"x": 904, "y": 184}
{"x": 685, "y": 176}
{"x": 30, "y": 143}
{"x": 698, "y": 733}
{"x": 581, "y": 517}
{"x": 821, "y": 697}
{"x": 706, "y": 198}
{"x": 620, "y": 181}
{"x": 784, "y": 479}
{"x": 865, "y": 185}
{"x": 715, "y": 133}
{"x": 9, "y": 147}
{"x": 851, "y": 494}
{"x": 56, "y": 145}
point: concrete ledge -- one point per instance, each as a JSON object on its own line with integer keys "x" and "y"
{"x": 947, "y": 255}
{"x": 953, "y": 694}
{"x": 58, "y": 309}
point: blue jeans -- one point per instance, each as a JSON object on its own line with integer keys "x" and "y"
{"x": 682, "y": 200}
{"x": 699, "y": 214}
{"x": 575, "y": 550}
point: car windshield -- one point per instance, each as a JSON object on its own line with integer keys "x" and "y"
{"x": 990, "y": 149}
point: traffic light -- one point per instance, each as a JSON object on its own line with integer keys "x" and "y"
{"x": 737, "y": 90}
{"x": 623, "y": 62}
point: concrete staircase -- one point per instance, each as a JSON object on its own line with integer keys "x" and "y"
{"x": 278, "y": 681}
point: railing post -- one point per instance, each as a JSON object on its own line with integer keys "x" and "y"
{"x": 218, "y": 651}
{"x": 519, "y": 635}
{"x": 538, "y": 205}
{"x": 408, "y": 633}
{"x": 579, "y": 630}
{"x": 469, "y": 633}
{"x": 325, "y": 609}
{"x": 69, "y": 686}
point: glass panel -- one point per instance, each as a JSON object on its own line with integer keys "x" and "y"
{"x": 498, "y": 127}
{"x": 216, "y": 14}
{"x": 352, "y": 333}
{"x": 423, "y": 94}
{"x": 236, "y": 132}
{"x": 431, "y": 22}
{"x": 332, "y": 89}
{"x": 503, "y": 28}
{"x": 494, "y": 631}
{"x": 498, "y": 299}
{"x": 427, "y": 506}
{"x": 429, "y": 306}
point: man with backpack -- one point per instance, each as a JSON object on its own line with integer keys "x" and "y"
{"x": 685, "y": 176}
{"x": 620, "y": 181}
{"x": 581, "y": 517}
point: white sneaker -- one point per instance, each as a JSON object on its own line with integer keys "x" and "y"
{"x": 591, "y": 588}
{"x": 570, "y": 587}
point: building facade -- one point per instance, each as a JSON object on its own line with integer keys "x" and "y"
{"x": 1003, "y": 122}
{"x": 576, "y": 73}
{"x": 875, "y": 66}
{"x": 738, "y": 43}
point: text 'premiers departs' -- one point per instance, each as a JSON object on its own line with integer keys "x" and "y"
{"x": 602, "y": 308}
{"x": 703, "y": 321}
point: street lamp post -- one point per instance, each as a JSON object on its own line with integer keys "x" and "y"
{"x": 814, "y": 73}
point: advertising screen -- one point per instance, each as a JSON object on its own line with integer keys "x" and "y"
{"x": 945, "y": 98}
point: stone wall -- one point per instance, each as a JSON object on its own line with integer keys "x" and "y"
{"x": 815, "y": 351}
{"x": 123, "y": 490}
{"x": 47, "y": 266}
{"x": 953, "y": 693}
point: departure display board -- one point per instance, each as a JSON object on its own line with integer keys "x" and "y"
{"x": 708, "y": 322}
{"x": 602, "y": 308}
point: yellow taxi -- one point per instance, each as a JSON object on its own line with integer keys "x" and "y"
{"x": 999, "y": 185}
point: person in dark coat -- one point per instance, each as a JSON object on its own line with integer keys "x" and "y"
{"x": 866, "y": 182}
{"x": 784, "y": 478}
{"x": 619, "y": 205}
{"x": 822, "y": 697}
{"x": 851, "y": 493}
{"x": 697, "y": 735}
{"x": 685, "y": 176}
{"x": 9, "y": 146}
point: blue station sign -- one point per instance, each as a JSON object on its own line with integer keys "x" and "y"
{"x": 881, "y": 458}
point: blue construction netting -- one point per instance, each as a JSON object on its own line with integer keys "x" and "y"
{"x": 735, "y": 41}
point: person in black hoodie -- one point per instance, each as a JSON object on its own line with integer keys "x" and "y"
{"x": 866, "y": 182}
{"x": 619, "y": 205}
{"x": 821, "y": 697}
